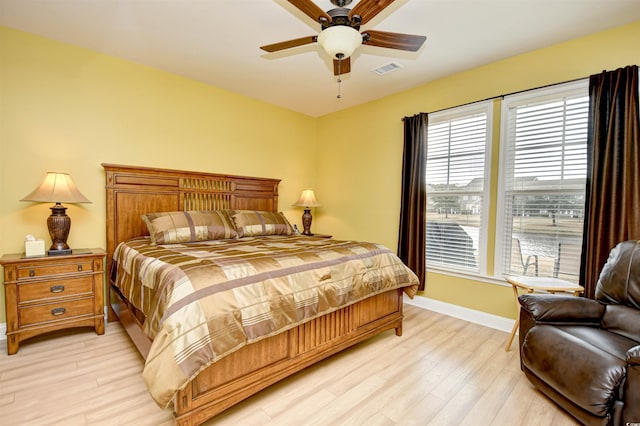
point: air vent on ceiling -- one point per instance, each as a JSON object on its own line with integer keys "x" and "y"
{"x": 384, "y": 69}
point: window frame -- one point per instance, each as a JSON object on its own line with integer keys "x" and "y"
{"x": 534, "y": 95}
{"x": 449, "y": 114}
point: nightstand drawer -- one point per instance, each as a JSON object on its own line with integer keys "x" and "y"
{"x": 55, "y": 311}
{"x": 45, "y": 270}
{"x": 41, "y": 291}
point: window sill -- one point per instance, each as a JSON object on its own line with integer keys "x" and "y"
{"x": 467, "y": 275}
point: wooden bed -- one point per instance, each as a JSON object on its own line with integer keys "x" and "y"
{"x": 132, "y": 191}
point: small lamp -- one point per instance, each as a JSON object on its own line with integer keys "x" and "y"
{"x": 307, "y": 200}
{"x": 57, "y": 188}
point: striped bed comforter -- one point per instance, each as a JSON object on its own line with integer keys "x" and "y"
{"x": 203, "y": 301}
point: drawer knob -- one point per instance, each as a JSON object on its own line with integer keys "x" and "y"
{"x": 56, "y": 288}
{"x": 58, "y": 311}
{"x": 32, "y": 272}
{"x": 79, "y": 267}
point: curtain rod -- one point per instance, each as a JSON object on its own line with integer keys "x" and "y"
{"x": 506, "y": 94}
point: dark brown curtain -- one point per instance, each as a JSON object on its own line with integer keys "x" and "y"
{"x": 612, "y": 209}
{"x": 413, "y": 206}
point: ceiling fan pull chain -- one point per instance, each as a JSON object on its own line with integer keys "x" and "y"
{"x": 339, "y": 75}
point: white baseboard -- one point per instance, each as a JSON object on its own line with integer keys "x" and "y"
{"x": 471, "y": 315}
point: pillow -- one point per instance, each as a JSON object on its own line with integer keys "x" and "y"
{"x": 189, "y": 226}
{"x": 252, "y": 223}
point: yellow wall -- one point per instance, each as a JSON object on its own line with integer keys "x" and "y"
{"x": 66, "y": 108}
{"x": 360, "y": 149}
{"x": 70, "y": 109}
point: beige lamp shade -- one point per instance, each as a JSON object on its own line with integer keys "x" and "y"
{"x": 57, "y": 187}
{"x": 307, "y": 199}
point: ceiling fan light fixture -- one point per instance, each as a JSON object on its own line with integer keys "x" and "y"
{"x": 339, "y": 41}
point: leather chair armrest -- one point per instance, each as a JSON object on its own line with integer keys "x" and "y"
{"x": 554, "y": 308}
{"x": 631, "y": 407}
{"x": 633, "y": 355}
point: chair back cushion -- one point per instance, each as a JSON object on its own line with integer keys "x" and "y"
{"x": 622, "y": 320}
{"x": 619, "y": 281}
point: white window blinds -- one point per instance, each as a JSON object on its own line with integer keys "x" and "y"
{"x": 456, "y": 182}
{"x": 543, "y": 176}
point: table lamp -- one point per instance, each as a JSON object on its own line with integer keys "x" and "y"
{"x": 307, "y": 200}
{"x": 57, "y": 188}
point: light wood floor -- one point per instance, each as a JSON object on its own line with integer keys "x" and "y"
{"x": 442, "y": 371}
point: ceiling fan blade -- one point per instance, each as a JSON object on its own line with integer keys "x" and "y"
{"x": 394, "y": 40}
{"x": 368, "y": 9}
{"x": 341, "y": 68}
{"x": 289, "y": 44}
{"x": 310, "y": 9}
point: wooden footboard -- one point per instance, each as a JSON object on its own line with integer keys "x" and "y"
{"x": 259, "y": 365}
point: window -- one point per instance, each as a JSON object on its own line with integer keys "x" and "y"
{"x": 542, "y": 186}
{"x": 457, "y": 178}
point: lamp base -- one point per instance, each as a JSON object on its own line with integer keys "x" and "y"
{"x": 61, "y": 252}
{"x": 306, "y": 222}
{"x": 59, "y": 224}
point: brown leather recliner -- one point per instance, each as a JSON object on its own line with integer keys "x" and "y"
{"x": 584, "y": 354}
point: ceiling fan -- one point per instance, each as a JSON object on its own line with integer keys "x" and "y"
{"x": 339, "y": 35}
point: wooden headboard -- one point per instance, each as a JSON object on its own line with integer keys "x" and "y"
{"x": 133, "y": 191}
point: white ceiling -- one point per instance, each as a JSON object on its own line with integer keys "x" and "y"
{"x": 217, "y": 41}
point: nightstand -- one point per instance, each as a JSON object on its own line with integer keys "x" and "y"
{"x": 50, "y": 293}
{"x": 317, "y": 235}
